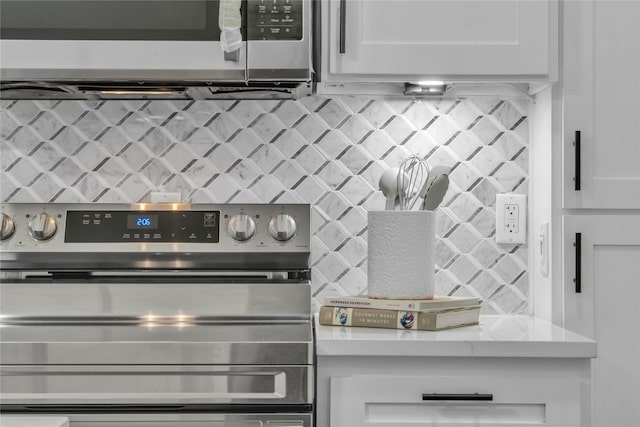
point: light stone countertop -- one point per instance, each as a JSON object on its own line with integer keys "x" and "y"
{"x": 33, "y": 421}
{"x": 495, "y": 336}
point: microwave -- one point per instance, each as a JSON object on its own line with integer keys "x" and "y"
{"x": 124, "y": 46}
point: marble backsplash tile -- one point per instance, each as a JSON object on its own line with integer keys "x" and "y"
{"x": 329, "y": 152}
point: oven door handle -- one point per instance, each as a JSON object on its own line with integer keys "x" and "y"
{"x": 99, "y": 408}
{"x": 158, "y": 385}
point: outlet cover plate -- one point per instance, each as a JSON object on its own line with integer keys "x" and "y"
{"x": 511, "y": 218}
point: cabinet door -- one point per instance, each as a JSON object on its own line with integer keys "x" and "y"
{"x": 397, "y": 401}
{"x": 606, "y": 309}
{"x": 447, "y": 39}
{"x": 601, "y": 90}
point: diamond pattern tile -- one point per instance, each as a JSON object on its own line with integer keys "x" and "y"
{"x": 421, "y": 144}
{"x": 329, "y": 152}
{"x": 45, "y": 125}
{"x": 224, "y": 126}
{"x": 421, "y": 114}
{"x": 399, "y": 129}
{"x": 290, "y": 113}
{"x": 356, "y": 128}
{"x": 157, "y": 140}
{"x": 378, "y": 113}
{"x": 333, "y": 113}
{"x": 267, "y": 158}
{"x": 508, "y": 115}
{"x": 89, "y": 155}
{"x": 333, "y": 174}
{"x": 266, "y": 127}
{"x": 25, "y": 140}
{"x": 9, "y": 157}
{"x": 113, "y": 171}
{"x": 24, "y": 111}
{"x": 355, "y": 159}
{"x": 378, "y": 144}
{"x": 310, "y": 159}
{"x": 46, "y": 155}
{"x": 200, "y": 112}
{"x": 311, "y": 128}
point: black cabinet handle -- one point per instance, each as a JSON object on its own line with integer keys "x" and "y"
{"x": 576, "y": 178}
{"x": 343, "y": 26}
{"x": 578, "y": 279}
{"x": 457, "y": 396}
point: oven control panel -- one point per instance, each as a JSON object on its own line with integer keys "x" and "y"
{"x": 275, "y": 20}
{"x": 96, "y": 226}
{"x": 159, "y": 228}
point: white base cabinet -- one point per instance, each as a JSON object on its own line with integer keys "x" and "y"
{"x": 450, "y": 391}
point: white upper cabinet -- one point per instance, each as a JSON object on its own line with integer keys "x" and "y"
{"x": 601, "y": 268}
{"x": 461, "y": 40}
{"x": 601, "y": 90}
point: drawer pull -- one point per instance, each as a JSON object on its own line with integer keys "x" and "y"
{"x": 457, "y": 396}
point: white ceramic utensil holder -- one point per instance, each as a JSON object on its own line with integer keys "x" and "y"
{"x": 401, "y": 254}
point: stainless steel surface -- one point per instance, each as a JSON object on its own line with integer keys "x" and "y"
{"x": 141, "y": 315}
{"x": 155, "y": 385}
{"x": 241, "y": 227}
{"x": 259, "y": 252}
{"x": 137, "y": 299}
{"x": 270, "y": 344}
{"x": 270, "y": 60}
{"x": 75, "y": 66}
{"x": 192, "y": 89}
{"x": 163, "y": 419}
{"x": 282, "y": 227}
{"x": 7, "y": 228}
{"x": 42, "y": 227}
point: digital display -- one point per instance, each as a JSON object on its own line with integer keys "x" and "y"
{"x": 142, "y": 222}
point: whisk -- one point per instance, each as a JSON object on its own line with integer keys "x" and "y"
{"x": 412, "y": 174}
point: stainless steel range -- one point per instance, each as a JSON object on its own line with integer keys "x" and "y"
{"x": 157, "y": 315}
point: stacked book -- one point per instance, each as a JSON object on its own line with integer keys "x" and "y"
{"x": 440, "y": 312}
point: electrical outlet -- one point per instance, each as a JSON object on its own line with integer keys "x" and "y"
{"x": 511, "y": 218}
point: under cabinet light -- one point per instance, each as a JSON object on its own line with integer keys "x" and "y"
{"x": 431, "y": 83}
{"x": 433, "y": 88}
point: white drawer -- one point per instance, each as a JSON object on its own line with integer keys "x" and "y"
{"x": 395, "y": 401}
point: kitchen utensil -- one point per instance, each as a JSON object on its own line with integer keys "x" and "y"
{"x": 436, "y": 187}
{"x": 412, "y": 175}
{"x": 434, "y": 172}
{"x": 388, "y": 184}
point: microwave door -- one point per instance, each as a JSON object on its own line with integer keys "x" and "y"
{"x": 116, "y": 40}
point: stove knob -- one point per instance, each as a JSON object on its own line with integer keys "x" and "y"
{"x": 282, "y": 227}
{"x": 42, "y": 227}
{"x": 8, "y": 227}
{"x": 241, "y": 227}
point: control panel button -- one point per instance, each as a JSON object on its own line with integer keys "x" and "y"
{"x": 282, "y": 227}
{"x": 241, "y": 227}
{"x": 275, "y": 20}
{"x": 42, "y": 227}
{"x": 8, "y": 227}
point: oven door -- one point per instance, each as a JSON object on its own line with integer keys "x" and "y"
{"x": 101, "y": 40}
